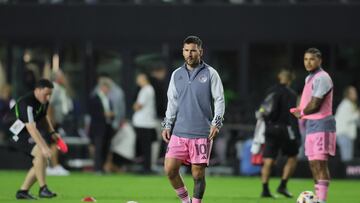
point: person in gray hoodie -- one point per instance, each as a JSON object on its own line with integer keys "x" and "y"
{"x": 193, "y": 119}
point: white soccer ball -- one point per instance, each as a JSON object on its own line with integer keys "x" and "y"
{"x": 307, "y": 197}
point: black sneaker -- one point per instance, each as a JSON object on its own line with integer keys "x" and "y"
{"x": 21, "y": 194}
{"x": 44, "y": 192}
{"x": 267, "y": 195}
{"x": 284, "y": 192}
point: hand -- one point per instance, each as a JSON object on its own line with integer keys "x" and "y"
{"x": 166, "y": 135}
{"x": 296, "y": 112}
{"x": 109, "y": 114}
{"x": 45, "y": 151}
{"x": 214, "y": 131}
{"x": 137, "y": 106}
{"x": 55, "y": 136}
{"x": 122, "y": 123}
{"x": 293, "y": 110}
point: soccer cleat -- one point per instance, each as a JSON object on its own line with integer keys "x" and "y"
{"x": 46, "y": 193}
{"x": 24, "y": 195}
{"x": 284, "y": 192}
{"x": 267, "y": 195}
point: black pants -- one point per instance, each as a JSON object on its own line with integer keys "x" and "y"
{"x": 144, "y": 139}
{"x": 102, "y": 146}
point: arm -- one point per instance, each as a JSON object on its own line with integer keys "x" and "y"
{"x": 145, "y": 95}
{"x": 139, "y": 100}
{"x": 61, "y": 145}
{"x": 54, "y": 99}
{"x": 122, "y": 106}
{"x": 352, "y": 111}
{"x": 171, "y": 110}
{"x": 51, "y": 114}
{"x": 46, "y": 122}
{"x": 217, "y": 92}
{"x": 269, "y": 106}
{"x": 313, "y": 106}
{"x": 118, "y": 108}
{"x": 347, "y": 112}
{"x": 137, "y": 106}
{"x": 322, "y": 86}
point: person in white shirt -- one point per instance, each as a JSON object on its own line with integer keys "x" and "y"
{"x": 347, "y": 119}
{"x": 144, "y": 119}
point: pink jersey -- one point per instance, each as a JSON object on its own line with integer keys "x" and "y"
{"x": 326, "y": 106}
{"x": 320, "y": 127}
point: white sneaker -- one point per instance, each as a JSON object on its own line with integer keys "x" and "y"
{"x": 57, "y": 171}
{"x": 50, "y": 171}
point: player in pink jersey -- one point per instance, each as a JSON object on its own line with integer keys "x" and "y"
{"x": 316, "y": 110}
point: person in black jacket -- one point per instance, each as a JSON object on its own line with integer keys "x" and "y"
{"x": 281, "y": 132}
{"x": 100, "y": 131}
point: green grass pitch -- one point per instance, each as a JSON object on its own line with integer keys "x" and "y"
{"x": 156, "y": 189}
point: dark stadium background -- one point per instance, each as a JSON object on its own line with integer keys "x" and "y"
{"x": 246, "y": 42}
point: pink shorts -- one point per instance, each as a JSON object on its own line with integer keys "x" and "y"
{"x": 318, "y": 146}
{"x": 189, "y": 150}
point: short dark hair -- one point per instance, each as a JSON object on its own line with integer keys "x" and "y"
{"x": 43, "y": 83}
{"x": 143, "y": 72}
{"x": 193, "y": 39}
{"x": 290, "y": 75}
{"x": 314, "y": 51}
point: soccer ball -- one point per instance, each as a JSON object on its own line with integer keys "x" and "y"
{"x": 307, "y": 197}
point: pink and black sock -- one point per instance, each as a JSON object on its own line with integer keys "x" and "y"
{"x": 183, "y": 194}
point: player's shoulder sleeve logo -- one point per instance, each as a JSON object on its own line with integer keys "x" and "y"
{"x": 203, "y": 78}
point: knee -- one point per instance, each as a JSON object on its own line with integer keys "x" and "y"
{"x": 198, "y": 174}
{"x": 267, "y": 164}
{"x": 292, "y": 160}
{"x": 39, "y": 159}
{"x": 171, "y": 172}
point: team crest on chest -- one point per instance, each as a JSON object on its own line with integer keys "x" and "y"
{"x": 203, "y": 78}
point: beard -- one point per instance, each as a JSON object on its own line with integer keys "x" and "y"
{"x": 192, "y": 62}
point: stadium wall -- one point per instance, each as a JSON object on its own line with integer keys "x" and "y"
{"x": 158, "y": 23}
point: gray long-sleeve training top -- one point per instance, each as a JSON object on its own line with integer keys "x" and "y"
{"x": 190, "y": 98}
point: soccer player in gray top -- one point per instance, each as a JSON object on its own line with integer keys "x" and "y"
{"x": 191, "y": 123}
